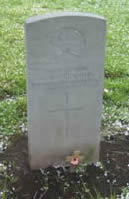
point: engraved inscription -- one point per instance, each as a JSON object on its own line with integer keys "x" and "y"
{"x": 66, "y": 77}
{"x": 66, "y": 112}
{"x": 69, "y": 41}
{"x": 80, "y": 108}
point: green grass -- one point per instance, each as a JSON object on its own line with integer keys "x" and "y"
{"x": 12, "y": 55}
{"x": 12, "y": 115}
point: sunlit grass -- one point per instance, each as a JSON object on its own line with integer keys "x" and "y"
{"x": 12, "y": 114}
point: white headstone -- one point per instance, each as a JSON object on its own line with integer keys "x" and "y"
{"x": 65, "y": 74}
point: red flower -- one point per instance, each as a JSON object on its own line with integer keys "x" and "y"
{"x": 74, "y": 159}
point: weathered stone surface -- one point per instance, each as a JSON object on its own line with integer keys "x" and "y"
{"x": 65, "y": 72}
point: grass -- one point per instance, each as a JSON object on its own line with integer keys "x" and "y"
{"x": 12, "y": 114}
{"x": 12, "y": 53}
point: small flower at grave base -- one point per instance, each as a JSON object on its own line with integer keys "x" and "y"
{"x": 74, "y": 159}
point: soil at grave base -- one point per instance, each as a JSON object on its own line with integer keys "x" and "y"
{"x": 114, "y": 155}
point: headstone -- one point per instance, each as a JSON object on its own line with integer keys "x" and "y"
{"x": 65, "y": 74}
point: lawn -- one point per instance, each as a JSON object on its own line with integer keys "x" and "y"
{"x": 12, "y": 59}
{"x": 12, "y": 56}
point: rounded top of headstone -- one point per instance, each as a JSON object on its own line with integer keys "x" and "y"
{"x": 62, "y": 14}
